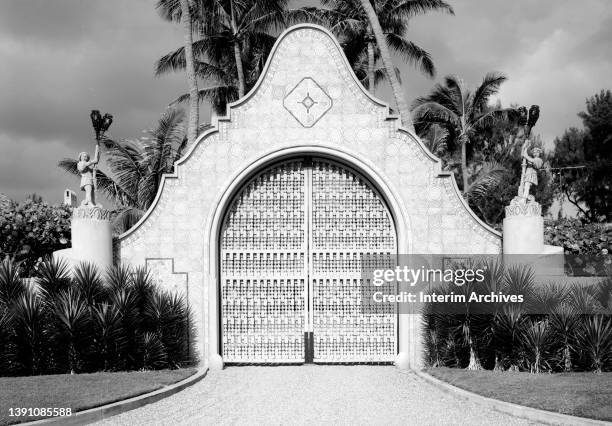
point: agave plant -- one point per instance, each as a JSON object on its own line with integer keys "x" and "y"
{"x": 536, "y": 341}
{"x": 547, "y": 298}
{"x": 433, "y": 345}
{"x": 52, "y": 277}
{"x": 152, "y": 353}
{"x": 30, "y": 326}
{"x": 125, "y": 301}
{"x": 507, "y": 328}
{"x": 108, "y": 337}
{"x": 6, "y": 337}
{"x": 143, "y": 289}
{"x": 520, "y": 279}
{"x": 603, "y": 293}
{"x": 88, "y": 282}
{"x": 176, "y": 329}
{"x": 564, "y": 321}
{"x": 11, "y": 284}
{"x": 72, "y": 328}
{"x": 584, "y": 301}
{"x": 119, "y": 277}
{"x": 595, "y": 340}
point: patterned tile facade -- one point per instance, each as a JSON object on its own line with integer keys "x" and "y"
{"x": 178, "y": 226}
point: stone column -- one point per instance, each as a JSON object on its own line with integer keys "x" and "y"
{"x": 523, "y": 240}
{"x": 523, "y": 228}
{"x": 92, "y": 236}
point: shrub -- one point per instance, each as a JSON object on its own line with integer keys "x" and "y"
{"x": 31, "y": 332}
{"x": 11, "y": 284}
{"x": 577, "y": 237}
{"x": 595, "y": 339}
{"x": 570, "y": 327}
{"x": 32, "y": 230}
{"x": 86, "y": 323}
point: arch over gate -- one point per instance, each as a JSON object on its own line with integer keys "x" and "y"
{"x": 292, "y": 247}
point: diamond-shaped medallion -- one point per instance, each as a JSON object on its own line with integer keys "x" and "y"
{"x": 307, "y": 102}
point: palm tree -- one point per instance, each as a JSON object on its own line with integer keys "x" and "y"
{"x": 221, "y": 74}
{"x": 192, "y": 128}
{"x": 460, "y": 110}
{"x": 349, "y": 21}
{"x": 137, "y": 166}
{"x": 233, "y": 33}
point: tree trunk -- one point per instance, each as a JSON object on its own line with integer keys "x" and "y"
{"x": 239, "y": 69}
{"x": 371, "y": 79}
{"x": 398, "y": 94}
{"x": 474, "y": 360}
{"x": 237, "y": 54}
{"x": 464, "y": 172}
{"x": 192, "y": 127}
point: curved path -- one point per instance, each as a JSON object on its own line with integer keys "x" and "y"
{"x": 312, "y": 395}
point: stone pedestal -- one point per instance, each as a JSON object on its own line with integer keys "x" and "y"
{"x": 523, "y": 240}
{"x": 523, "y": 228}
{"x": 92, "y": 238}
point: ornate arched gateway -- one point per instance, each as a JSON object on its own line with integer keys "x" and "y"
{"x": 292, "y": 248}
{"x": 293, "y": 161}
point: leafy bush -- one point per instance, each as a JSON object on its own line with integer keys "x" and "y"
{"x": 87, "y": 322}
{"x": 31, "y": 230}
{"x": 571, "y": 331}
{"x": 579, "y": 238}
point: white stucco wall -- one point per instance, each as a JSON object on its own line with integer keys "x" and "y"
{"x": 177, "y": 237}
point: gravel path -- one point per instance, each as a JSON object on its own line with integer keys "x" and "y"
{"x": 312, "y": 395}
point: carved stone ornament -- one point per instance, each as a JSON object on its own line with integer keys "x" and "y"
{"x": 96, "y": 213}
{"x": 307, "y": 102}
{"x": 518, "y": 207}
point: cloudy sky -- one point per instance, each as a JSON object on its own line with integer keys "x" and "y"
{"x": 61, "y": 58}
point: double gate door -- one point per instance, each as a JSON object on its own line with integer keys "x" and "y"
{"x": 293, "y": 245}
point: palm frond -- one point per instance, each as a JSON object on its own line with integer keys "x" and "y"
{"x": 406, "y": 9}
{"x": 489, "y": 86}
{"x": 490, "y": 175}
{"x": 412, "y": 54}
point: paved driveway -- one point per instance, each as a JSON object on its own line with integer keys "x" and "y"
{"x": 312, "y": 395}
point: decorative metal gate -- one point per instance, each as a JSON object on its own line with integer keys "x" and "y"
{"x": 292, "y": 249}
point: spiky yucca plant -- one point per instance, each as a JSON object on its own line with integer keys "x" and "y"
{"x": 11, "y": 284}
{"x": 152, "y": 353}
{"x": 536, "y": 340}
{"x": 108, "y": 336}
{"x": 72, "y": 329}
{"x": 89, "y": 283}
{"x": 6, "y": 338}
{"x": 52, "y": 277}
{"x": 31, "y": 333}
{"x": 86, "y": 323}
{"x": 595, "y": 339}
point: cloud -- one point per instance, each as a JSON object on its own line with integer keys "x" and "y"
{"x": 27, "y": 166}
{"x": 62, "y": 58}
{"x": 555, "y": 52}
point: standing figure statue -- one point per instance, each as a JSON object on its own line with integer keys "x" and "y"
{"x": 530, "y": 165}
{"x": 86, "y": 169}
{"x": 530, "y": 171}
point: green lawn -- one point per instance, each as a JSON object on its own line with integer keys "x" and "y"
{"x": 576, "y": 394}
{"x": 79, "y": 391}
